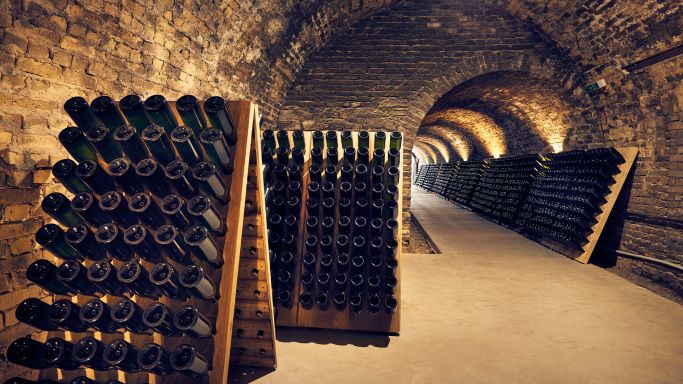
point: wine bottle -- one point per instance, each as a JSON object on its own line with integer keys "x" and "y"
{"x": 122, "y": 355}
{"x": 317, "y": 157}
{"x": 74, "y": 141}
{"x": 377, "y": 191}
{"x": 187, "y": 360}
{"x": 306, "y": 299}
{"x": 394, "y": 157}
{"x": 97, "y": 314}
{"x": 332, "y": 156}
{"x": 374, "y": 280}
{"x": 95, "y": 177}
{"x": 363, "y": 157}
{"x": 58, "y": 353}
{"x": 83, "y": 240}
{"x": 311, "y": 243}
{"x": 341, "y": 282}
{"x": 65, "y": 172}
{"x": 344, "y": 206}
{"x": 377, "y": 208}
{"x": 164, "y": 276}
{"x": 191, "y": 322}
{"x": 74, "y": 275}
{"x": 78, "y": 109}
{"x": 391, "y": 209}
{"x": 340, "y": 300}
{"x": 312, "y": 225}
{"x": 111, "y": 238}
{"x": 178, "y": 174}
{"x": 380, "y": 140}
{"x": 392, "y": 265}
{"x": 147, "y": 210}
{"x": 125, "y": 177}
{"x": 361, "y": 174}
{"x": 136, "y": 278}
{"x": 26, "y": 352}
{"x": 390, "y": 305}
{"x": 187, "y": 145}
{"x": 203, "y": 245}
{"x": 323, "y": 301}
{"x": 160, "y": 318}
{"x": 376, "y": 225}
{"x": 298, "y": 156}
{"x": 160, "y": 112}
{"x": 65, "y": 314}
{"x": 326, "y": 243}
{"x": 331, "y": 139}
{"x": 363, "y": 139}
{"x": 200, "y": 285}
{"x": 360, "y": 226}
{"x": 216, "y": 148}
{"x": 207, "y": 175}
{"x": 315, "y": 173}
{"x": 127, "y": 314}
{"x": 282, "y": 155}
{"x": 393, "y": 175}
{"x": 293, "y": 205}
{"x": 283, "y": 139}
{"x": 392, "y": 192}
{"x": 58, "y": 207}
{"x": 395, "y": 140}
{"x": 103, "y": 274}
{"x": 312, "y": 207}
{"x": 89, "y": 351}
{"x": 171, "y": 240}
{"x": 131, "y": 143}
{"x": 318, "y": 139}
{"x": 269, "y": 140}
{"x": 291, "y": 224}
{"x": 328, "y": 190}
{"x": 390, "y": 284}
{"x": 286, "y": 261}
{"x": 328, "y": 207}
{"x": 219, "y": 117}
{"x": 358, "y": 244}
{"x": 159, "y": 144}
{"x": 51, "y": 236}
{"x": 345, "y": 190}
{"x": 378, "y": 157}
{"x": 108, "y": 112}
{"x": 174, "y": 207}
{"x": 324, "y": 280}
{"x": 356, "y": 302}
{"x": 374, "y": 303}
{"x": 343, "y": 224}
{"x": 142, "y": 242}
{"x": 294, "y": 172}
{"x": 343, "y": 243}
{"x": 327, "y": 225}
{"x": 298, "y": 139}
{"x": 103, "y": 140}
{"x": 203, "y": 210}
{"x": 34, "y": 312}
{"x": 44, "y": 274}
{"x": 283, "y": 298}
{"x": 155, "y": 359}
{"x": 190, "y": 112}
{"x": 116, "y": 208}
{"x": 343, "y": 261}
{"x": 392, "y": 228}
{"x": 132, "y": 108}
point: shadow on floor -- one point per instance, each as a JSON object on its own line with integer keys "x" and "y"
{"x": 337, "y": 337}
{"x": 244, "y": 375}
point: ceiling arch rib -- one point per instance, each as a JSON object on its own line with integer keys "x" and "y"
{"x": 442, "y": 146}
{"x": 459, "y": 143}
{"x": 475, "y": 124}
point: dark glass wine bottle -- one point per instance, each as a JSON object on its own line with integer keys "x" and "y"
{"x": 306, "y": 299}
{"x": 200, "y": 285}
{"x": 83, "y": 240}
{"x": 363, "y": 156}
{"x": 175, "y": 208}
{"x": 65, "y": 172}
{"x": 377, "y": 208}
{"x": 380, "y": 140}
{"x": 203, "y": 245}
{"x": 26, "y": 352}
{"x": 127, "y": 314}
{"x": 147, "y": 210}
{"x": 344, "y": 225}
{"x": 44, "y": 274}
{"x": 112, "y": 239}
{"x": 190, "y": 112}
{"x": 171, "y": 240}
{"x": 208, "y": 177}
{"x": 363, "y": 139}
{"x": 394, "y": 157}
{"x": 103, "y": 274}
{"x": 132, "y": 108}
{"x": 393, "y": 175}
{"x": 323, "y": 301}
{"x": 203, "y": 210}
{"x": 164, "y": 276}
{"x": 356, "y": 302}
{"x": 95, "y": 177}
{"x": 78, "y": 109}
{"x": 283, "y": 139}
{"x": 378, "y": 157}
{"x": 298, "y": 156}
{"x": 392, "y": 265}
{"x": 332, "y": 156}
{"x": 347, "y": 139}
{"x": 136, "y": 279}
{"x": 108, "y": 112}
{"x": 298, "y": 139}
{"x": 282, "y": 155}
{"x": 361, "y": 174}
{"x": 122, "y": 355}
{"x": 187, "y": 145}
{"x": 269, "y": 140}
{"x": 103, "y": 141}
{"x": 377, "y": 174}
{"x": 392, "y": 228}
{"x": 51, "y": 236}
{"x": 115, "y": 207}
{"x": 331, "y": 139}
{"x": 155, "y": 359}
{"x": 160, "y": 112}
{"x": 291, "y": 224}
{"x": 74, "y": 275}
{"x": 160, "y": 318}
{"x": 341, "y": 280}
{"x": 219, "y": 117}
{"x": 159, "y": 144}
{"x": 65, "y": 314}
{"x": 77, "y": 145}
{"x": 395, "y": 140}
{"x": 34, "y": 312}
{"x": 216, "y": 148}
{"x": 131, "y": 143}
{"x": 318, "y": 139}
{"x": 191, "y": 322}
{"x": 59, "y": 208}
{"x": 374, "y": 280}
{"x": 97, "y": 315}
{"x": 142, "y": 242}
{"x": 89, "y": 352}
{"x": 125, "y": 176}
{"x": 58, "y": 353}
{"x": 344, "y": 206}
{"x": 189, "y": 361}
{"x": 377, "y": 191}
{"x": 374, "y": 303}
{"x": 390, "y": 305}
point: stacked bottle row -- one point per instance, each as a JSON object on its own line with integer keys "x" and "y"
{"x": 503, "y": 186}
{"x": 420, "y": 175}
{"x": 144, "y": 222}
{"x": 350, "y": 232}
{"x": 430, "y": 175}
{"x": 443, "y": 177}
{"x": 465, "y": 180}
{"x": 566, "y": 196}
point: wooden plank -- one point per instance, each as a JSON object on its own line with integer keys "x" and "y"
{"x": 629, "y": 154}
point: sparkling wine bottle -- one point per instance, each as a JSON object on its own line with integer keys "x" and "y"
{"x": 83, "y": 240}
{"x": 191, "y": 322}
{"x": 97, "y": 314}
{"x": 164, "y": 276}
{"x": 160, "y": 112}
{"x": 78, "y": 109}
{"x": 65, "y": 172}
{"x": 187, "y": 360}
{"x": 26, "y": 352}
{"x": 190, "y": 112}
{"x": 95, "y": 177}
{"x": 131, "y": 143}
{"x": 74, "y": 141}
{"x": 58, "y": 353}
{"x": 216, "y": 148}
{"x": 65, "y": 314}
{"x": 127, "y": 314}
{"x": 155, "y": 359}
{"x": 74, "y": 275}
{"x": 125, "y": 176}
{"x": 159, "y": 144}
{"x": 171, "y": 240}
{"x": 103, "y": 274}
{"x": 200, "y": 285}
{"x": 219, "y": 117}
{"x": 112, "y": 238}
{"x": 160, "y": 318}
{"x": 51, "y": 236}
{"x": 59, "y": 208}
{"x": 34, "y": 312}
{"x": 44, "y": 274}
{"x": 89, "y": 352}
{"x": 116, "y": 208}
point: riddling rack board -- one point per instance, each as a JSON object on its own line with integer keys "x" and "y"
{"x": 331, "y": 318}
{"x": 244, "y": 253}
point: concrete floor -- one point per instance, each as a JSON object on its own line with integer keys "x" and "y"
{"x": 494, "y": 307}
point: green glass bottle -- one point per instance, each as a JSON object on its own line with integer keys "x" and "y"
{"x": 363, "y": 139}
{"x": 51, "y": 236}
{"x": 216, "y": 149}
{"x": 394, "y": 157}
{"x": 189, "y": 110}
{"x": 65, "y": 171}
{"x": 219, "y": 117}
{"x": 58, "y": 207}
{"x": 347, "y": 139}
{"x": 123, "y": 173}
{"x": 131, "y": 143}
{"x": 160, "y": 111}
{"x": 318, "y": 139}
{"x": 132, "y": 108}
{"x": 395, "y": 140}
{"x": 380, "y": 140}
{"x": 159, "y": 144}
{"x": 269, "y": 140}
{"x": 331, "y": 139}
{"x": 104, "y": 142}
{"x": 186, "y": 143}
{"x": 206, "y": 174}
{"x": 97, "y": 179}
{"x": 108, "y": 112}
{"x": 73, "y": 140}
{"x": 80, "y": 112}
{"x": 298, "y": 138}
{"x": 283, "y": 139}
{"x": 298, "y": 156}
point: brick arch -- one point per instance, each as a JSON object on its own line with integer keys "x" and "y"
{"x": 444, "y": 148}
{"x": 461, "y": 146}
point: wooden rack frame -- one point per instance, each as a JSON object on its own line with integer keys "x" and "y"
{"x": 245, "y": 184}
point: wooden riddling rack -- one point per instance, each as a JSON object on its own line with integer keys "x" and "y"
{"x": 220, "y": 348}
{"x": 295, "y": 314}
{"x": 468, "y": 181}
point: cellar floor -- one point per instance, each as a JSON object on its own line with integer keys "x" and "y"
{"x": 494, "y": 307}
